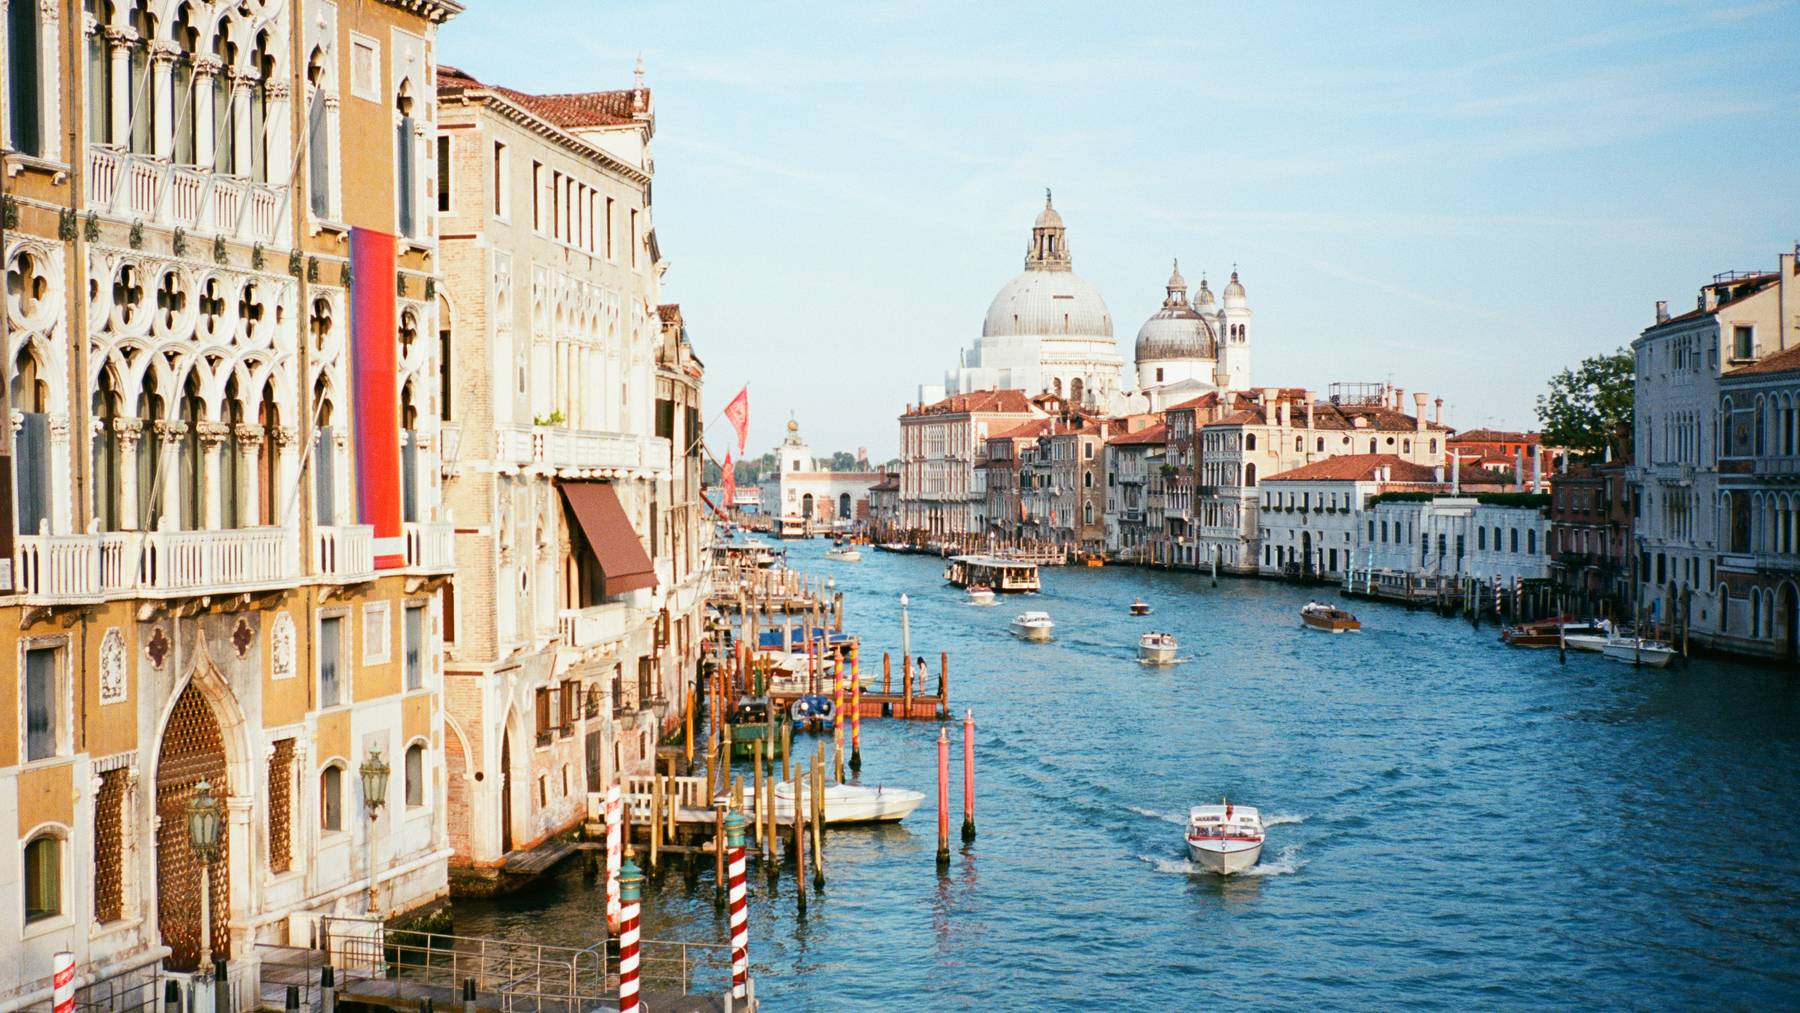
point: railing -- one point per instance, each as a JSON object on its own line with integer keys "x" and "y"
{"x": 430, "y": 547}
{"x": 562, "y": 447}
{"x": 344, "y": 553}
{"x": 53, "y": 568}
{"x": 593, "y": 625}
{"x": 196, "y": 561}
{"x": 1776, "y": 466}
{"x": 141, "y": 187}
{"x": 516, "y": 977}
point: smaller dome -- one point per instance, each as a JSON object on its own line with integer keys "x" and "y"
{"x": 1234, "y": 291}
{"x": 1177, "y": 331}
{"x": 793, "y": 426}
{"x": 1203, "y": 299}
{"x": 1176, "y": 282}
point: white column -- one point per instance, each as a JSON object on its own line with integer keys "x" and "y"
{"x": 213, "y": 437}
{"x": 118, "y": 40}
{"x": 169, "y": 467}
{"x": 248, "y": 447}
{"x": 162, "y": 97}
{"x": 129, "y": 432}
{"x": 204, "y": 141}
{"x": 242, "y": 83}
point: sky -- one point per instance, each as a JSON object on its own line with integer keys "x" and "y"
{"x": 1457, "y": 199}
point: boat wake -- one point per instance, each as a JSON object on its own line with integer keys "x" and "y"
{"x": 1280, "y": 819}
{"x": 1286, "y": 863}
{"x": 1178, "y": 819}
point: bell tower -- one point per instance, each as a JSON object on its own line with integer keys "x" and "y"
{"x": 1234, "y": 337}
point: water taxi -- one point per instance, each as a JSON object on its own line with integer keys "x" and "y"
{"x": 1007, "y": 576}
{"x": 1329, "y": 618}
{"x": 980, "y": 594}
{"x": 844, "y": 554}
{"x": 1551, "y": 632}
{"x": 1033, "y": 626}
{"x": 1140, "y": 607}
{"x": 850, "y": 803}
{"x": 1594, "y": 640}
{"x": 1638, "y": 651}
{"x": 1157, "y": 648}
{"x": 749, "y": 724}
{"x": 1224, "y": 838}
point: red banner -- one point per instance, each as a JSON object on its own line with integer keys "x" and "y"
{"x": 375, "y": 383}
{"x": 730, "y": 482}
{"x": 738, "y": 412}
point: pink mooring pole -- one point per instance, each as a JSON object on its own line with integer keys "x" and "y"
{"x": 943, "y": 744}
{"x": 968, "y": 829}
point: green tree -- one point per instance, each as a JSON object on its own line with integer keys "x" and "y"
{"x": 1590, "y": 407}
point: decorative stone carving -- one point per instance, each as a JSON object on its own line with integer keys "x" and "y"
{"x": 278, "y": 91}
{"x": 130, "y": 432}
{"x": 242, "y": 637}
{"x": 212, "y": 434}
{"x": 170, "y": 432}
{"x": 281, "y": 647}
{"x": 112, "y": 667}
{"x": 158, "y": 647}
{"x": 248, "y": 434}
{"x": 286, "y": 435}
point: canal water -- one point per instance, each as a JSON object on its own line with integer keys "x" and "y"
{"x": 1452, "y": 823}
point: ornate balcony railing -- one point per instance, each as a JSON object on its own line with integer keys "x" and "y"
{"x": 344, "y": 554}
{"x": 559, "y": 447}
{"x": 132, "y": 186}
{"x": 52, "y": 569}
{"x": 159, "y": 563}
{"x": 430, "y": 548}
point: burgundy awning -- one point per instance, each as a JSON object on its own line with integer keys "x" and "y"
{"x": 609, "y": 533}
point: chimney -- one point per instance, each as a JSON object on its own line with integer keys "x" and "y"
{"x": 1437, "y": 412}
{"x": 1518, "y": 467}
{"x": 1662, "y": 311}
{"x": 1399, "y": 399}
{"x": 1455, "y": 472}
{"x": 1419, "y": 411}
{"x": 1309, "y": 409}
{"x": 1787, "y": 298}
{"x": 1537, "y": 468}
{"x": 1437, "y": 474}
{"x": 1283, "y": 412}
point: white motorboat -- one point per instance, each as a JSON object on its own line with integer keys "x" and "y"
{"x": 1224, "y": 838}
{"x": 1033, "y": 626}
{"x": 1638, "y": 651}
{"x": 980, "y": 594}
{"x": 1157, "y": 648}
{"x": 844, "y": 554}
{"x": 1590, "y": 641}
{"x": 851, "y": 803}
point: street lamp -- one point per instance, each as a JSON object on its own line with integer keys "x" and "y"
{"x": 203, "y": 826}
{"x": 374, "y": 773}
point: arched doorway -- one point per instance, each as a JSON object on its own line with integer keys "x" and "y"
{"x": 193, "y": 750}
{"x": 806, "y": 506}
{"x": 456, "y": 786}
{"x": 844, "y": 505}
{"x": 506, "y": 838}
{"x": 1306, "y": 554}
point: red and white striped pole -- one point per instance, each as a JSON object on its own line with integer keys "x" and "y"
{"x": 943, "y": 851}
{"x": 613, "y": 809}
{"x": 855, "y": 708}
{"x": 631, "y": 881}
{"x": 62, "y": 982}
{"x": 740, "y": 906}
{"x": 837, "y": 715}
{"x": 968, "y": 776}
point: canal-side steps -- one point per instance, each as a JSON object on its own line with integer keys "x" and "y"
{"x": 376, "y": 969}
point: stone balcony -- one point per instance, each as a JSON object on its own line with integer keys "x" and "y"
{"x": 594, "y": 625}
{"x": 344, "y": 554}
{"x": 560, "y": 448}
{"x": 139, "y": 187}
{"x": 430, "y": 548}
{"x": 69, "y": 569}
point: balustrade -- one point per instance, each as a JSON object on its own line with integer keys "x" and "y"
{"x": 430, "y": 547}
{"x": 345, "y": 553}
{"x": 173, "y": 196}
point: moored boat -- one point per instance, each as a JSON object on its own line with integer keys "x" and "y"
{"x": 1140, "y": 607}
{"x": 813, "y": 712}
{"x": 1157, "y": 648}
{"x": 1329, "y": 618}
{"x": 1033, "y": 626}
{"x": 749, "y": 725}
{"x": 1591, "y": 641}
{"x": 851, "y": 803}
{"x": 1638, "y": 651}
{"x": 1551, "y": 632}
{"x": 1224, "y": 838}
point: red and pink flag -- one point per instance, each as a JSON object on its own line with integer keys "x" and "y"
{"x": 738, "y": 412}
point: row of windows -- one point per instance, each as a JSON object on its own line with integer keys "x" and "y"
{"x": 1501, "y": 542}
{"x": 562, "y": 208}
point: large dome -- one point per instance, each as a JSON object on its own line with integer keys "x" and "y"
{"x": 1053, "y": 304}
{"x": 1177, "y": 330}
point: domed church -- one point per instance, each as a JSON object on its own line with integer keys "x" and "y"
{"x": 1046, "y": 330}
{"x": 1049, "y": 331}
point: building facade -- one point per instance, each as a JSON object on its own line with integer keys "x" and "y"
{"x": 822, "y": 499}
{"x": 1309, "y": 517}
{"x": 1431, "y": 540}
{"x": 228, "y": 556}
{"x": 942, "y": 483}
{"x": 575, "y": 424}
{"x": 1679, "y": 532}
{"x": 1759, "y": 493}
{"x": 1590, "y": 538}
{"x": 1131, "y": 459}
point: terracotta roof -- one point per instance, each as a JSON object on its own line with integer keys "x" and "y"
{"x": 1156, "y": 434}
{"x": 1362, "y": 468}
{"x": 568, "y": 109}
{"x": 889, "y": 484}
{"x": 1786, "y": 360}
{"x": 1495, "y": 436}
{"x": 1030, "y": 430}
{"x": 1012, "y": 401}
